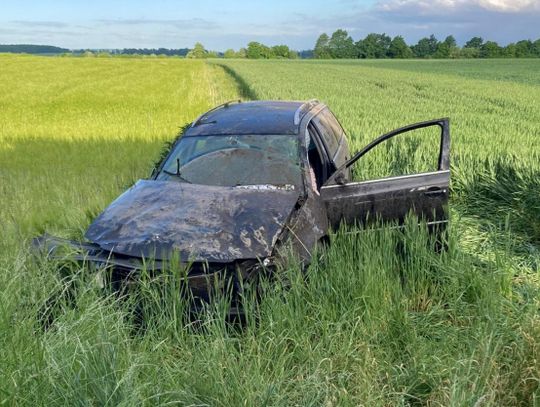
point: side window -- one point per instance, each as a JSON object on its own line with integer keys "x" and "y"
{"x": 336, "y": 128}
{"x": 327, "y": 132}
{"x": 414, "y": 152}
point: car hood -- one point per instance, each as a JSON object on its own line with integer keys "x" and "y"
{"x": 154, "y": 219}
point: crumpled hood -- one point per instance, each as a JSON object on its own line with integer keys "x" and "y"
{"x": 154, "y": 219}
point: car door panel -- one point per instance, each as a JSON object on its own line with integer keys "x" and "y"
{"x": 387, "y": 199}
{"x": 392, "y": 198}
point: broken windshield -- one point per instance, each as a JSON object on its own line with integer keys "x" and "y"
{"x": 235, "y": 160}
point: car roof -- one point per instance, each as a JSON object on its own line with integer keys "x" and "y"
{"x": 257, "y": 117}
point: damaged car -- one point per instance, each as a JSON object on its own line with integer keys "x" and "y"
{"x": 245, "y": 181}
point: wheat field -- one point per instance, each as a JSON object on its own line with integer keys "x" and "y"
{"x": 381, "y": 320}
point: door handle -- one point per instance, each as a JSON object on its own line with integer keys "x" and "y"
{"x": 434, "y": 191}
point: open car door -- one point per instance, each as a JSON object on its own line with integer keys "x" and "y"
{"x": 392, "y": 198}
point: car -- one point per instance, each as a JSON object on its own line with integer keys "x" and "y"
{"x": 245, "y": 181}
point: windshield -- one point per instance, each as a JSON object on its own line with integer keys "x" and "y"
{"x": 235, "y": 161}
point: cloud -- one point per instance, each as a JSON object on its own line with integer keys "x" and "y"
{"x": 41, "y": 32}
{"x": 499, "y": 20}
{"x": 427, "y": 7}
{"x": 187, "y": 24}
{"x": 112, "y": 33}
{"x": 47, "y": 24}
{"x": 510, "y": 5}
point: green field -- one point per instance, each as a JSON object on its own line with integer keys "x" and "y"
{"x": 511, "y": 70}
{"x": 75, "y": 133}
{"x": 371, "y": 326}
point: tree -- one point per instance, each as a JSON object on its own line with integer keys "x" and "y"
{"x": 229, "y": 53}
{"x": 474, "y": 42}
{"x": 399, "y": 49}
{"x": 266, "y": 52}
{"x": 293, "y": 54}
{"x": 280, "y": 51}
{"x": 242, "y": 53}
{"x": 254, "y": 50}
{"x": 426, "y": 47}
{"x": 374, "y": 46}
{"x": 341, "y": 45}
{"x": 509, "y": 51}
{"x": 536, "y": 48}
{"x": 524, "y": 49}
{"x": 490, "y": 49}
{"x": 469, "y": 52}
{"x": 450, "y": 41}
{"x": 197, "y": 52}
{"x": 322, "y": 48}
{"x": 447, "y": 48}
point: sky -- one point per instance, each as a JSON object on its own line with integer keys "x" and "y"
{"x": 233, "y": 23}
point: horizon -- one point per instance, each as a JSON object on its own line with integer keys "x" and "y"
{"x": 175, "y": 25}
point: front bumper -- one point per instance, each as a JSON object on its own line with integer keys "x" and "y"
{"x": 202, "y": 279}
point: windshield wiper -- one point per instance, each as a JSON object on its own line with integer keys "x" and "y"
{"x": 177, "y": 173}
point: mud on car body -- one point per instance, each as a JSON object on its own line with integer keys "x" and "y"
{"x": 246, "y": 180}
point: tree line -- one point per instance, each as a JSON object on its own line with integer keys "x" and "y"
{"x": 341, "y": 45}
{"x": 32, "y": 49}
{"x": 254, "y": 50}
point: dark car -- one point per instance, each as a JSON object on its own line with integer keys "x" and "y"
{"x": 246, "y": 180}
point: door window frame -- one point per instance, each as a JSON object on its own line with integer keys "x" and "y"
{"x": 444, "y": 147}
{"x": 320, "y": 118}
{"x": 326, "y": 162}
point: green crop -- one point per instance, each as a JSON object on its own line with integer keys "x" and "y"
{"x": 380, "y": 320}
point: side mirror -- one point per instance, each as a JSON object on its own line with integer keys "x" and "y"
{"x": 340, "y": 179}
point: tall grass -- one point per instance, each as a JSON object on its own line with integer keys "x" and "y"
{"x": 73, "y": 135}
{"x": 379, "y": 318}
{"x": 470, "y": 319}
